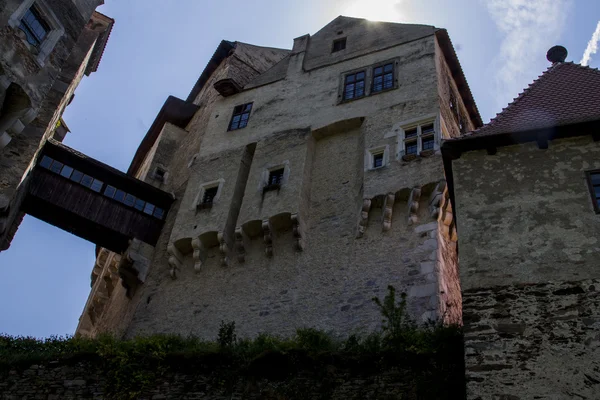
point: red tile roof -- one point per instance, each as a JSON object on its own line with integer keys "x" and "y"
{"x": 565, "y": 94}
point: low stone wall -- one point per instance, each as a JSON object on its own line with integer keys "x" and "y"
{"x": 537, "y": 341}
{"x": 273, "y": 376}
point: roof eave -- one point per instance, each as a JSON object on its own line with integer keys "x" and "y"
{"x": 458, "y": 75}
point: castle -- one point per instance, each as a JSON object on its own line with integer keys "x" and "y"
{"x": 292, "y": 186}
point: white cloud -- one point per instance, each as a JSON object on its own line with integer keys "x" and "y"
{"x": 528, "y": 28}
{"x": 592, "y": 47}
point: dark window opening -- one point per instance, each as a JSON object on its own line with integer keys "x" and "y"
{"x": 34, "y": 26}
{"x": 110, "y": 191}
{"x": 410, "y": 148}
{"x": 276, "y": 177}
{"x": 427, "y": 130}
{"x": 339, "y": 44}
{"x": 427, "y": 143}
{"x": 209, "y": 195}
{"x": 410, "y": 133}
{"x": 383, "y": 78}
{"x": 593, "y": 178}
{"x": 66, "y": 171}
{"x": 139, "y": 204}
{"x": 354, "y": 85}
{"x": 240, "y": 117}
{"x": 377, "y": 160}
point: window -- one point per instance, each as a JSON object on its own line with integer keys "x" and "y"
{"x": 209, "y": 195}
{"x": 418, "y": 139}
{"x": 56, "y": 166}
{"x": 149, "y": 208}
{"x": 240, "y": 117}
{"x": 109, "y": 191}
{"x": 139, "y": 204}
{"x": 129, "y": 200}
{"x": 76, "y": 176}
{"x": 378, "y": 160}
{"x": 46, "y": 162}
{"x": 66, "y": 171}
{"x": 34, "y": 26}
{"x": 276, "y": 177}
{"x": 593, "y": 178}
{"x": 383, "y": 78}
{"x": 354, "y": 85}
{"x": 339, "y": 44}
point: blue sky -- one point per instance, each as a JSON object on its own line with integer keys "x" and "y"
{"x": 158, "y": 48}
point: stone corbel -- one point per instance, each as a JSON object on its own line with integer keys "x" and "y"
{"x": 223, "y": 248}
{"x": 297, "y": 229}
{"x": 198, "y": 253}
{"x": 387, "y": 212}
{"x": 413, "y": 205}
{"x": 364, "y": 217}
{"x": 268, "y": 237}
{"x": 175, "y": 260}
{"x": 239, "y": 244}
{"x": 436, "y": 199}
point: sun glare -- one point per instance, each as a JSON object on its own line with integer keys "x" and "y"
{"x": 374, "y": 10}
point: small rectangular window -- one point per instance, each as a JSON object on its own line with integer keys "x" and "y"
{"x": 159, "y": 212}
{"x": 66, "y": 171}
{"x": 56, "y": 166}
{"x": 129, "y": 200}
{"x": 427, "y": 143}
{"x": 110, "y": 191}
{"x": 427, "y": 130}
{"x": 338, "y": 44}
{"x": 139, "y": 204}
{"x": 209, "y": 195}
{"x": 240, "y": 117}
{"x": 87, "y": 180}
{"x": 383, "y": 77}
{"x": 410, "y": 148}
{"x": 410, "y": 133}
{"x": 46, "y": 162}
{"x": 593, "y": 178}
{"x": 119, "y": 195}
{"x": 149, "y": 208}
{"x": 34, "y": 26}
{"x": 354, "y": 85}
{"x": 276, "y": 177}
{"x": 378, "y": 160}
{"x": 76, "y": 176}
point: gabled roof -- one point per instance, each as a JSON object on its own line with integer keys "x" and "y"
{"x": 565, "y": 94}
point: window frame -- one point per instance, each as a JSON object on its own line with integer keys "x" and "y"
{"x": 199, "y": 199}
{"x": 336, "y": 41}
{"x": 383, "y": 74}
{"x": 595, "y": 200}
{"x": 345, "y": 83}
{"x": 40, "y": 53}
{"x": 29, "y": 29}
{"x": 242, "y": 107}
{"x": 418, "y": 139}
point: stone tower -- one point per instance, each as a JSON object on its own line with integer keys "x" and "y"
{"x": 46, "y": 47}
{"x": 306, "y": 181}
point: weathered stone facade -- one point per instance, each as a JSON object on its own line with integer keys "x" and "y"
{"x": 528, "y": 232}
{"x": 336, "y": 231}
{"x": 36, "y": 85}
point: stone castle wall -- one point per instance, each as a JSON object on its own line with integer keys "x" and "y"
{"x": 335, "y": 235}
{"x": 528, "y": 253}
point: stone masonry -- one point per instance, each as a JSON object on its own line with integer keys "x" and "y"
{"x": 336, "y": 231}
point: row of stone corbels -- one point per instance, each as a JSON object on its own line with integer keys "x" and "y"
{"x": 199, "y": 248}
{"x": 413, "y": 207}
{"x": 104, "y": 278}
